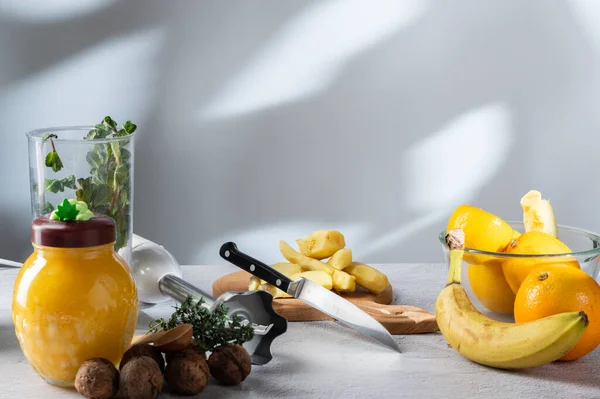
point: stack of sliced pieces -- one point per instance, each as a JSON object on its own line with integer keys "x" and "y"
{"x": 322, "y": 257}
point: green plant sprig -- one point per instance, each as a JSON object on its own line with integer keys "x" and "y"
{"x": 52, "y": 159}
{"x": 106, "y": 190}
{"x": 59, "y": 185}
{"x": 210, "y": 328}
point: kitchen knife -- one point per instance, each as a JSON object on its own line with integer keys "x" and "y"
{"x": 313, "y": 294}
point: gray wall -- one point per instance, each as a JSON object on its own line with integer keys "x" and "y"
{"x": 265, "y": 120}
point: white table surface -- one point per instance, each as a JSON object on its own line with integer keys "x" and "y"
{"x": 326, "y": 360}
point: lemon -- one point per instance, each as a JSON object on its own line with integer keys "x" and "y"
{"x": 533, "y": 242}
{"x": 483, "y": 231}
{"x": 490, "y": 287}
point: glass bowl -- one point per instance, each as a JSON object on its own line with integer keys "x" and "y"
{"x": 482, "y": 274}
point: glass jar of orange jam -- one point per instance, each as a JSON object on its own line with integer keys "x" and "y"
{"x": 74, "y": 298}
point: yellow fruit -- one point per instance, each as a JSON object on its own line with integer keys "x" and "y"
{"x": 483, "y": 231}
{"x": 343, "y": 282}
{"x": 287, "y": 269}
{"x": 490, "y": 287}
{"x": 320, "y": 277}
{"x": 271, "y": 289}
{"x": 495, "y": 343}
{"x": 341, "y": 259}
{"x": 254, "y": 283}
{"x": 533, "y": 242}
{"x": 549, "y": 290}
{"x": 321, "y": 244}
{"x": 304, "y": 261}
{"x": 368, "y": 277}
{"x": 538, "y": 214}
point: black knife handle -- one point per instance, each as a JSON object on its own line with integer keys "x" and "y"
{"x": 230, "y": 253}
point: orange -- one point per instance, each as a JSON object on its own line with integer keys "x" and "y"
{"x": 490, "y": 287}
{"x": 552, "y": 289}
{"x": 483, "y": 231}
{"x": 533, "y": 242}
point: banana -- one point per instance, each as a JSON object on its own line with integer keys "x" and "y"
{"x": 494, "y": 343}
{"x": 538, "y": 214}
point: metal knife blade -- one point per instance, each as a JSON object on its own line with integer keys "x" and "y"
{"x": 341, "y": 310}
{"x": 313, "y": 294}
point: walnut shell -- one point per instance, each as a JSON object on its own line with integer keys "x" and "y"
{"x": 230, "y": 364}
{"x": 192, "y": 347}
{"x": 143, "y": 350}
{"x": 141, "y": 378}
{"x": 187, "y": 372}
{"x": 97, "y": 378}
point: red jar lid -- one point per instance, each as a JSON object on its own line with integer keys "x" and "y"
{"x": 99, "y": 230}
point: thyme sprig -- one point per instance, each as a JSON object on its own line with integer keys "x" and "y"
{"x": 211, "y": 328}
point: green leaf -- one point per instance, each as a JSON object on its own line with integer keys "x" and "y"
{"x": 100, "y": 195}
{"x": 48, "y": 208}
{"x": 94, "y": 159}
{"x": 84, "y": 193}
{"x": 120, "y": 175}
{"x": 125, "y": 155}
{"x": 69, "y": 182}
{"x": 80, "y": 194}
{"x": 124, "y": 198}
{"x": 101, "y": 150}
{"x": 116, "y": 150}
{"x": 85, "y": 184}
{"x": 66, "y": 211}
{"x": 108, "y": 120}
{"x": 54, "y": 186}
{"x": 129, "y": 127}
{"x": 53, "y": 161}
{"x": 91, "y": 135}
{"x": 100, "y": 176}
{"x": 100, "y": 131}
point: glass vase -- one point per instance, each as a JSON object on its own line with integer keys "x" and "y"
{"x": 65, "y": 163}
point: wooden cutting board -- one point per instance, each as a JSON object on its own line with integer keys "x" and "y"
{"x": 397, "y": 319}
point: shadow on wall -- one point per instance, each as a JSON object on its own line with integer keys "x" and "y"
{"x": 333, "y": 114}
{"x": 442, "y": 111}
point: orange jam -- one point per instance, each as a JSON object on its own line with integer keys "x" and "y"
{"x": 71, "y": 304}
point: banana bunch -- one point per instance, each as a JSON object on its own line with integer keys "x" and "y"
{"x": 339, "y": 273}
{"x": 498, "y": 344}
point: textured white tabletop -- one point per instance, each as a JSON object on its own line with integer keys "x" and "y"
{"x": 326, "y": 360}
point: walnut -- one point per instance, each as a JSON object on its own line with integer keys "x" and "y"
{"x": 141, "y": 378}
{"x": 97, "y": 379}
{"x": 192, "y": 347}
{"x": 187, "y": 372}
{"x": 229, "y": 364}
{"x": 143, "y": 350}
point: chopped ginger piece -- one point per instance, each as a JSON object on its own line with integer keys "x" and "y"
{"x": 343, "y": 282}
{"x": 321, "y": 244}
{"x": 341, "y": 259}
